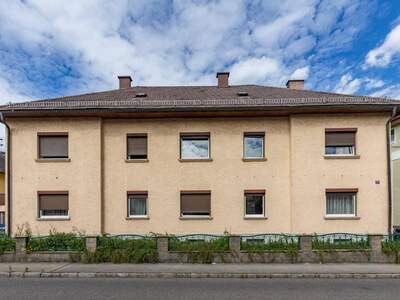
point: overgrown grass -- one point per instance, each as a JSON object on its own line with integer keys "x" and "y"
{"x": 340, "y": 244}
{"x": 391, "y": 246}
{"x": 6, "y": 243}
{"x": 260, "y": 246}
{"x": 119, "y": 250}
{"x": 200, "y": 251}
{"x": 57, "y": 241}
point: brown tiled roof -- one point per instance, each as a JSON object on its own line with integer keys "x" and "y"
{"x": 193, "y": 98}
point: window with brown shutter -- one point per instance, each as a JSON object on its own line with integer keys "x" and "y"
{"x": 137, "y": 146}
{"x": 52, "y": 145}
{"x": 196, "y": 203}
{"x": 340, "y": 141}
{"x": 2, "y": 199}
{"x": 53, "y": 204}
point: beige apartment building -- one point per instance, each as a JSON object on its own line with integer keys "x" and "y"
{"x": 200, "y": 159}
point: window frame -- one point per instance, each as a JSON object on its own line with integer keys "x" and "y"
{"x": 194, "y": 136}
{"x": 344, "y": 191}
{"x": 394, "y": 140}
{"x": 137, "y": 193}
{"x": 254, "y": 134}
{"x": 137, "y": 135}
{"x": 342, "y": 130}
{"x": 59, "y": 217}
{"x": 254, "y": 192}
{"x": 52, "y": 134}
{"x": 191, "y": 192}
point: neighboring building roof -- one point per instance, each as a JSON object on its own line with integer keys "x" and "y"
{"x": 2, "y": 162}
{"x": 196, "y": 98}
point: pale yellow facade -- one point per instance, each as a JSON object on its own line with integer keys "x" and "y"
{"x": 294, "y": 175}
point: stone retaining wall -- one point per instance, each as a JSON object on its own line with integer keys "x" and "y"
{"x": 304, "y": 255}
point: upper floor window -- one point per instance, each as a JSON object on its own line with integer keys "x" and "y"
{"x": 341, "y": 202}
{"x": 136, "y": 146}
{"x": 340, "y": 141}
{"x": 195, "y": 146}
{"x": 254, "y": 145}
{"x": 53, "y": 205}
{"x": 52, "y": 145}
{"x": 393, "y": 135}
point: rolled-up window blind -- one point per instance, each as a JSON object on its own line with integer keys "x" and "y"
{"x": 340, "y": 139}
{"x": 53, "y": 202}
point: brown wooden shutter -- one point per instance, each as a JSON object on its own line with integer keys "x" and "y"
{"x": 2, "y": 199}
{"x": 340, "y": 139}
{"x": 195, "y": 203}
{"x": 53, "y": 146}
{"x": 137, "y": 145}
{"x": 53, "y": 202}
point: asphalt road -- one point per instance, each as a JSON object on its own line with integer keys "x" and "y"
{"x": 57, "y": 288}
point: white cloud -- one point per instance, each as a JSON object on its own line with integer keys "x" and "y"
{"x": 383, "y": 55}
{"x": 301, "y": 73}
{"x": 373, "y": 83}
{"x": 256, "y": 70}
{"x": 392, "y": 92}
{"x": 348, "y": 85}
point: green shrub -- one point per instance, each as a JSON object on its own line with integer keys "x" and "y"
{"x": 391, "y": 246}
{"x": 279, "y": 245}
{"x": 57, "y": 241}
{"x": 340, "y": 244}
{"x": 120, "y": 250}
{"x": 6, "y": 243}
{"x": 200, "y": 251}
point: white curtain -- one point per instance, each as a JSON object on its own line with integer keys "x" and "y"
{"x": 137, "y": 206}
{"x": 340, "y": 204}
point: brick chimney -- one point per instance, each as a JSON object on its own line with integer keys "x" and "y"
{"x": 124, "y": 82}
{"x": 223, "y": 79}
{"x": 295, "y": 84}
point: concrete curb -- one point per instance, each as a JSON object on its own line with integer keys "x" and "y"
{"x": 198, "y": 275}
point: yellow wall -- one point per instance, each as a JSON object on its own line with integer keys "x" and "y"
{"x": 294, "y": 175}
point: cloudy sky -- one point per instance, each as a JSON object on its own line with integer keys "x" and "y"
{"x": 52, "y": 48}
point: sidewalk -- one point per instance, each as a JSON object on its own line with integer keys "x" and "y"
{"x": 70, "y": 270}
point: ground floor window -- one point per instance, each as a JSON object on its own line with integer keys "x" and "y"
{"x": 53, "y": 205}
{"x": 137, "y": 204}
{"x": 2, "y": 219}
{"x": 195, "y": 203}
{"x": 341, "y": 203}
{"x": 254, "y": 203}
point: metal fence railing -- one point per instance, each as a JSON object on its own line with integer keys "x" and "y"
{"x": 340, "y": 241}
{"x": 269, "y": 241}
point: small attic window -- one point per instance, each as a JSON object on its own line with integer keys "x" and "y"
{"x": 140, "y": 95}
{"x": 242, "y": 94}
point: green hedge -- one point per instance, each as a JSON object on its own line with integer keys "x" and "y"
{"x": 279, "y": 245}
{"x": 213, "y": 244}
{"x": 57, "y": 241}
{"x": 124, "y": 250}
{"x": 6, "y": 243}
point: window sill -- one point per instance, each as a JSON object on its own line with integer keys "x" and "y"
{"x": 196, "y": 218}
{"x": 53, "y": 219}
{"x": 137, "y": 160}
{"x": 40, "y": 160}
{"x": 341, "y": 218}
{"x": 196, "y": 160}
{"x": 341, "y": 156}
{"x": 253, "y": 159}
{"x": 255, "y": 218}
{"x": 138, "y": 218}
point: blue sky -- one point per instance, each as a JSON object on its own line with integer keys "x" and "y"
{"x": 54, "y": 48}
